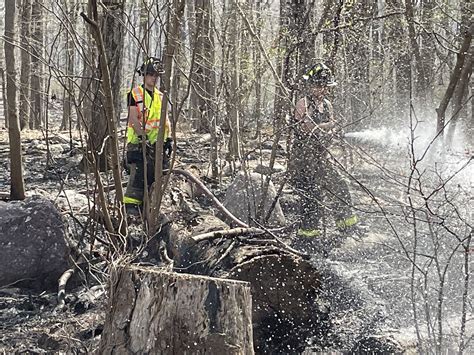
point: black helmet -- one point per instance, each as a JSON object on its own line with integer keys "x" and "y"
{"x": 319, "y": 74}
{"x": 152, "y": 66}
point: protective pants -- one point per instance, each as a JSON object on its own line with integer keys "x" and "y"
{"x": 323, "y": 192}
{"x": 136, "y": 181}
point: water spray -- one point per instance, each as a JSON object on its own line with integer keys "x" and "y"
{"x": 380, "y": 136}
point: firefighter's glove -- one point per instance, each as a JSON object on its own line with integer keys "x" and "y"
{"x": 143, "y": 139}
{"x": 168, "y": 147}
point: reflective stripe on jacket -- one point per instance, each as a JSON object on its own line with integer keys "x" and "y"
{"x": 152, "y": 114}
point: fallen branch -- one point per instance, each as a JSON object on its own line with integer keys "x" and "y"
{"x": 283, "y": 244}
{"x": 62, "y": 287}
{"x": 209, "y": 194}
{"x": 240, "y": 232}
{"x": 229, "y": 233}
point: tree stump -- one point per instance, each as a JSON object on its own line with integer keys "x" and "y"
{"x": 156, "y": 312}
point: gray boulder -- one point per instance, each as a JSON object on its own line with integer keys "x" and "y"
{"x": 33, "y": 249}
{"x": 244, "y": 195}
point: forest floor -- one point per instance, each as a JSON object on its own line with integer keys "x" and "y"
{"x": 378, "y": 266}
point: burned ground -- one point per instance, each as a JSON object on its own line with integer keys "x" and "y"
{"x": 375, "y": 286}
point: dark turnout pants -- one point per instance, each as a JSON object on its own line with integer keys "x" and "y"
{"x": 323, "y": 192}
{"x": 136, "y": 181}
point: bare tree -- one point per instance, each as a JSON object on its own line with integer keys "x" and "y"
{"x": 203, "y": 88}
{"x": 111, "y": 125}
{"x": 110, "y": 22}
{"x": 36, "y": 108}
{"x": 455, "y": 77}
{"x": 204, "y": 76}
{"x": 17, "y": 187}
{"x": 460, "y": 95}
{"x": 2, "y": 72}
{"x": 233, "y": 92}
{"x": 68, "y": 92}
{"x": 25, "y": 18}
{"x": 173, "y": 30}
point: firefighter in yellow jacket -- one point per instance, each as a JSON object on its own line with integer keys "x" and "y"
{"x": 144, "y": 105}
{"x": 312, "y": 172}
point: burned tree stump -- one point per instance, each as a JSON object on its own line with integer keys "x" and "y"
{"x": 157, "y": 312}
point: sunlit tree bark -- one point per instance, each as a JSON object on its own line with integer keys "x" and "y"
{"x": 233, "y": 92}
{"x": 111, "y": 23}
{"x": 203, "y": 87}
{"x": 36, "y": 111}
{"x": 106, "y": 86}
{"x": 68, "y": 92}
{"x": 17, "y": 187}
{"x": 25, "y": 18}
{"x": 2, "y": 71}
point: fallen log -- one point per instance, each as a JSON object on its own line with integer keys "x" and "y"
{"x": 285, "y": 286}
{"x": 156, "y": 312}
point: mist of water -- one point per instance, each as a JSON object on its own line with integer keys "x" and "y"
{"x": 455, "y": 159}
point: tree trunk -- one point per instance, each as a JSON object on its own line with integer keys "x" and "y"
{"x": 176, "y": 12}
{"x": 358, "y": 51}
{"x": 428, "y": 55}
{"x": 4, "y": 95}
{"x": 257, "y": 57}
{"x": 114, "y": 43}
{"x": 145, "y": 28}
{"x": 203, "y": 93}
{"x": 284, "y": 41}
{"x": 459, "y": 96}
{"x": 300, "y": 30}
{"x": 36, "y": 110}
{"x": 2, "y": 73}
{"x": 453, "y": 81}
{"x": 110, "y": 23}
{"x": 396, "y": 39}
{"x": 421, "y": 83}
{"x": 84, "y": 110}
{"x": 110, "y": 115}
{"x": 233, "y": 94}
{"x": 203, "y": 89}
{"x": 459, "y": 103}
{"x": 17, "y": 187}
{"x": 69, "y": 95}
{"x": 156, "y": 312}
{"x": 25, "y": 58}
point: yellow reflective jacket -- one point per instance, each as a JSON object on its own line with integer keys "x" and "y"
{"x": 151, "y": 115}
